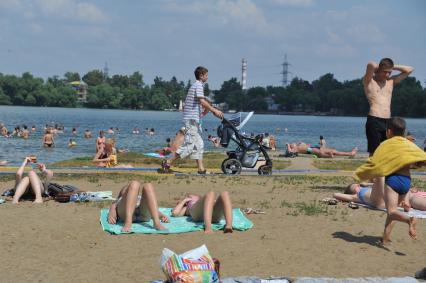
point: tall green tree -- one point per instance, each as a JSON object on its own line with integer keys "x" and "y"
{"x": 94, "y": 78}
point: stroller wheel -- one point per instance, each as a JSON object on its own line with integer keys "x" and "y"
{"x": 231, "y": 166}
{"x": 265, "y": 170}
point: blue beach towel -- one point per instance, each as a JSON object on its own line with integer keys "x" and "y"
{"x": 176, "y": 225}
{"x": 157, "y": 155}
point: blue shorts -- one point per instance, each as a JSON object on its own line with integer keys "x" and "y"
{"x": 399, "y": 183}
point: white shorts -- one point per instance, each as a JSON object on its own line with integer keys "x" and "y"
{"x": 193, "y": 144}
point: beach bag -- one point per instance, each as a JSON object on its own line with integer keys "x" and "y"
{"x": 53, "y": 189}
{"x": 61, "y": 193}
{"x": 194, "y": 266}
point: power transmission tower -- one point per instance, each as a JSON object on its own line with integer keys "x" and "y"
{"x": 285, "y": 71}
{"x": 106, "y": 70}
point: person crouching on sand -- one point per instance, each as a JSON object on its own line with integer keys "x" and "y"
{"x": 207, "y": 208}
{"x": 136, "y": 204}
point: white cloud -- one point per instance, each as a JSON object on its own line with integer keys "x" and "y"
{"x": 293, "y": 3}
{"x": 241, "y": 14}
{"x": 63, "y": 9}
{"x": 335, "y": 50}
{"x": 366, "y": 33}
{"x": 71, "y": 9}
{"x": 35, "y": 27}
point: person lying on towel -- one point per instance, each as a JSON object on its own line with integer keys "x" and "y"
{"x": 136, "y": 204}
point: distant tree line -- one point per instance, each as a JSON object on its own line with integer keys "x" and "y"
{"x": 325, "y": 94}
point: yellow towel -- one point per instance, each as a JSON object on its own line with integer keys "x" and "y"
{"x": 391, "y": 155}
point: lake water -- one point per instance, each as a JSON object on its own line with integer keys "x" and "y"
{"x": 342, "y": 133}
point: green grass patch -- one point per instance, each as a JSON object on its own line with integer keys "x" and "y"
{"x": 334, "y": 164}
{"x": 211, "y": 160}
{"x": 310, "y": 209}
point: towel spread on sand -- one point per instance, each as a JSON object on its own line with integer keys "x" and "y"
{"x": 157, "y": 155}
{"x": 391, "y": 155}
{"x": 412, "y": 212}
{"x": 100, "y": 196}
{"x": 177, "y": 224}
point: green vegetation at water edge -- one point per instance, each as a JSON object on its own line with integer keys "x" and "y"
{"x": 211, "y": 160}
{"x": 325, "y": 94}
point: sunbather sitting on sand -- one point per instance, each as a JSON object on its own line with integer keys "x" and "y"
{"x": 106, "y": 157}
{"x": 31, "y": 184}
{"x": 302, "y": 147}
{"x": 134, "y": 204}
{"x": 207, "y": 208}
{"x": 365, "y": 193}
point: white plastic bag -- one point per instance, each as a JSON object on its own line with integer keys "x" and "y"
{"x": 194, "y": 266}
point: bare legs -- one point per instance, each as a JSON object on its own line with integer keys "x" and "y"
{"x": 377, "y": 192}
{"x": 126, "y": 205}
{"x": 327, "y": 152}
{"x": 209, "y": 210}
{"x": 391, "y": 200}
{"x": 31, "y": 181}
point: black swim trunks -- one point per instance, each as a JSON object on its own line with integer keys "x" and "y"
{"x": 375, "y": 129}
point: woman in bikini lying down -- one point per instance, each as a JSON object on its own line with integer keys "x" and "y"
{"x": 207, "y": 208}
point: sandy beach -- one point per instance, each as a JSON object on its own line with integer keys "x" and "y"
{"x": 55, "y": 242}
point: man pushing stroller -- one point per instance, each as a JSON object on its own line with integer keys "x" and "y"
{"x": 196, "y": 106}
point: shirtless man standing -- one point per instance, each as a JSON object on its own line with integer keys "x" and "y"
{"x": 378, "y": 87}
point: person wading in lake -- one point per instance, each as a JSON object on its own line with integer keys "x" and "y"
{"x": 378, "y": 87}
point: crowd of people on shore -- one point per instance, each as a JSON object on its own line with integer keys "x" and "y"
{"x": 392, "y": 154}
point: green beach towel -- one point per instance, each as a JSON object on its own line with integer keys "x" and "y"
{"x": 176, "y": 225}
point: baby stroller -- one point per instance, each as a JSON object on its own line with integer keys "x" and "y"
{"x": 249, "y": 150}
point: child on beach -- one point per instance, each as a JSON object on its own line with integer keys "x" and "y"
{"x": 134, "y": 204}
{"x": 393, "y": 159}
{"x": 207, "y": 208}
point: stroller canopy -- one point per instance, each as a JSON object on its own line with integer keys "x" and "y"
{"x": 239, "y": 119}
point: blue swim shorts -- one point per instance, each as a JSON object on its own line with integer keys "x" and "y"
{"x": 399, "y": 183}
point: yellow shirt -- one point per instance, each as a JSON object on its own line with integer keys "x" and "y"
{"x": 112, "y": 161}
{"x": 391, "y": 155}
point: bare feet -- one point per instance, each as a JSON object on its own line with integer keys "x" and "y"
{"x": 227, "y": 229}
{"x": 386, "y": 241}
{"x": 127, "y": 228}
{"x": 38, "y": 201}
{"x": 354, "y": 151}
{"x": 208, "y": 231}
{"x": 160, "y": 227}
{"x": 412, "y": 228}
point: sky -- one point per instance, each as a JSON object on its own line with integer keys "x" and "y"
{"x": 170, "y": 38}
